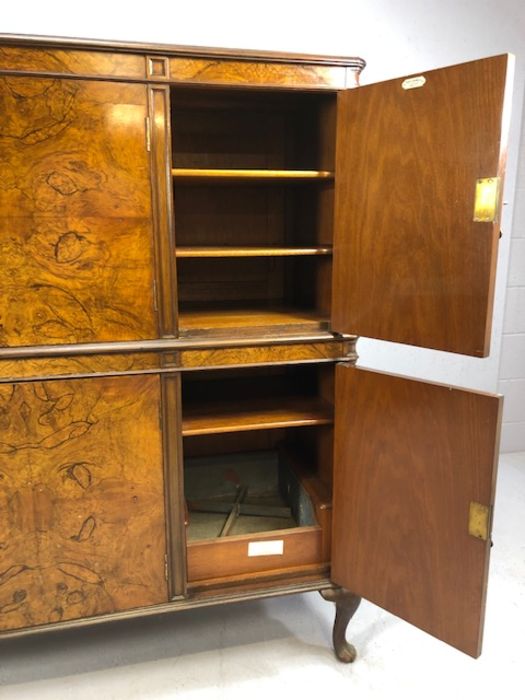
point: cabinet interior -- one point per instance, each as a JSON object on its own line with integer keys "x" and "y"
{"x": 257, "y": 447}
{"x": 253, "y": 179}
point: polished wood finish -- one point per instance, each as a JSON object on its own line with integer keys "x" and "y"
{"x": 234, "y": 151}
{"x": 239, "y": 175}
{"x": 81, "y": 516}
{"x": 219, "y": 417}
{"x": 60, "y": 61}
{"x": 160, "y": 145}
{"x": 410, "y": 264}
{"x": 174, "y": 479}
{"x": 410, "y": 456}
{"x": 209, "y": 321}
{"x": 303, "y": 352}
{"x": 12, "y": 370}
{"x": 253, "y": 252}
{"x": 346, "y": 604}
{"x": 76, "y": 231}
{"x": 228, "y": 557}
{"x": 252, "y": 74}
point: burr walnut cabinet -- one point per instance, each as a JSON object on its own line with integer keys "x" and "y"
{"x": 191, "y": 241}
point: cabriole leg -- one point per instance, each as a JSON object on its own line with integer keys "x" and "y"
{"x": 346, "y": 603}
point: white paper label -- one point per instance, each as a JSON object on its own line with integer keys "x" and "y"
{"x": 265, "y": 549}
{"x": 411, "y": 83}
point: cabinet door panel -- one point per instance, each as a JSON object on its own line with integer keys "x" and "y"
{"x": 410, "y": 457}
{"x": 81, "y": 499}
{"x": 75, "y": 212}
{"x": 410, "y": 263}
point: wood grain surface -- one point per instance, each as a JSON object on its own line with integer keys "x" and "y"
{"x": 82, "y": 528}
{"x": 257, "y": 414}
{"x": 300, "y": 352}
{"x": 39, "y": 367}
{"x": 228, "y": 557}
{"x": 39, "y": 60}
{"x": 410, "y": 264}
{"x": 230, "y": 72}
{"x": 75, "y": 213}
{"x": 409, "y": 458}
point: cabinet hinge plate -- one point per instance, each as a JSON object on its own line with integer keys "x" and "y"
{"x": 166, "y": 567}
{"x": 486, "y": 200}
{"x": 479, "y": 521}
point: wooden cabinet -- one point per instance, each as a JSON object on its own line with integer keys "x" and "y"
{"x": 192, "y": 242}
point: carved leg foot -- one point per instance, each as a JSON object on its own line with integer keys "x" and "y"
{"x": 346, "y": 603}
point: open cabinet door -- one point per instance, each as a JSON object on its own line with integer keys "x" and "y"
{"x": 416, "y": 236}
{"x": 415, "y": 467}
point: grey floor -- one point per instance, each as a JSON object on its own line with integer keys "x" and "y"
{"x": 281, "y": 648}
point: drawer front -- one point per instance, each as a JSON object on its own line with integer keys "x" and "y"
{"x": 81, "y": 499}
{"x": 248, "y": 554}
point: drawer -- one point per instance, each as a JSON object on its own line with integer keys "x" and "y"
{"x": 250, "y": 554}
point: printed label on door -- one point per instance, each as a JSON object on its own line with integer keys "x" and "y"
{"x": 411, "y": 83}
{"x": 265, "y": 549}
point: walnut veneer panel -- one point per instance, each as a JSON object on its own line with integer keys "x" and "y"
{"x": 410, "y": 264}
{"x": 216, "y": 72}
{"x": 80, "y": 364}
{"x": 409, "y": 458}
{"x": 81, "y": 499}
{"x": 75, "y": 213}
{"x": 52, "y": 60}
{"x": 304, "y": 352}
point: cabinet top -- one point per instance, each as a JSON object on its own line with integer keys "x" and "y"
{"x": 23, "y": 40}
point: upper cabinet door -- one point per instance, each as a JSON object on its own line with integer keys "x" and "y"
{"x": 416, "y": 236}
{"x": 75, "y": 212}
{"x": 415, "y": 466}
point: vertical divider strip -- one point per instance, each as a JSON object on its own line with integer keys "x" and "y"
{"x": 174, "y": 482}
{"x": 163, "y": 217}
{"x": 164, "y": 226}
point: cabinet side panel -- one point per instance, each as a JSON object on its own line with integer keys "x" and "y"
{"x": 75, "y": 213}
{"x": 410, "y": 458}
{"x": 82, "y": 505}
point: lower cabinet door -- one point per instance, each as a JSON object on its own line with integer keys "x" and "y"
{"x": 415, "y": 467}
{"x": 81, "y": 499}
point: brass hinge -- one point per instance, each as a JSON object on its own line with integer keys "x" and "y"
{"x": 486, "y": 200}
{"x": 479, "y": 521}
{"x": 148, "y": 133}
{"x": 166, "y": 566}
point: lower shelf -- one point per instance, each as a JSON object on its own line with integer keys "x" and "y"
{"x": 214, "y": 321}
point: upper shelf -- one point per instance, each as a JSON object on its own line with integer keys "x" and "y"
{"x": 248, "y": 251}
{"x": 248, "y": 175}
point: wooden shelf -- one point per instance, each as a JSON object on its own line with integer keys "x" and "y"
{"x": 248, "y": 252}
{"x": 240, "y": 175}
{"x": 254, "y": 415}
{"x": 209, "y": 320}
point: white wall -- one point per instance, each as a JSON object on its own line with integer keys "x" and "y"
{"x": 395, "y": 38}
{"x": 512, "y": 366}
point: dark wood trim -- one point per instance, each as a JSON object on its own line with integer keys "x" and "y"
{"x": 218, "y": 597}
{"x": 174, "y": 482}
{"x": 48, "y": 42}
{"x": 161, "y": 182}
{"x": 163, "y": 344}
